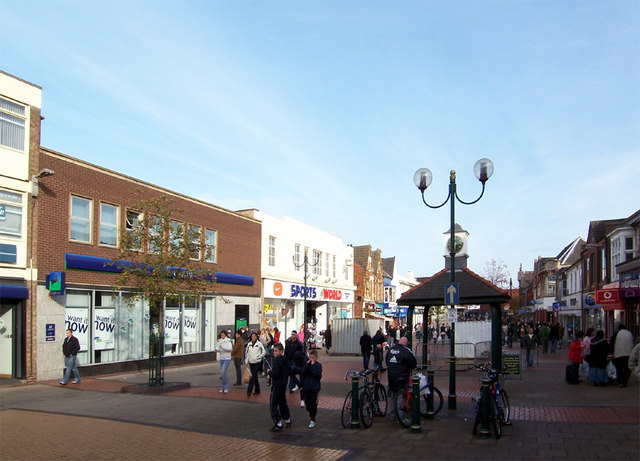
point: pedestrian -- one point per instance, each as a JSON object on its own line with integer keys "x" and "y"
{"x": 279, "y": 374}
{"x": 554, "y": 337}
{"x": 544, "y": 338}
{"x": 276, "y": 335}
{"x": 293, "y": 346}
{"x": 598, "y": 360}
{"x": 310, "y": 376}
{"x": 531, "y": 343}
{"x": 575, "y": 357}
{"x": 586, "y": 349}
{"x": 70, "y": 349}
{"x": 327, "y": 338}
{"x": 634, "y": 361}
{"x": 254, "y": 352}
{"x": 224, "y": 349}
{"x": 378, "y": 352}
{"x": 365, "y": 349}
{"x": 621, "y": 345}
{"x": 237, "y": 354}
{"x": 400, "y": 362}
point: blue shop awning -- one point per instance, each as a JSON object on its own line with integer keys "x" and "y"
{"x": 13, "y": 292}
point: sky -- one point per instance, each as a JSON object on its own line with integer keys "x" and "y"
{"x": 323, "y": 110}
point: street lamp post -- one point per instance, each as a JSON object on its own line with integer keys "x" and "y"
{"x": 306, "y": 264}
{"x": 483, "y": 169}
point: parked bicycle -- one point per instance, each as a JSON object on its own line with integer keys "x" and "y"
{"x": 499, "y": 410}
{"x": 404, "y": 400}
{"x": 372, "y": 398}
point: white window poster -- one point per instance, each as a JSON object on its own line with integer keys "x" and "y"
{"x": 78, "y": 321}
{"x": 104, "y": 322}
{"x": 172, "y": 326}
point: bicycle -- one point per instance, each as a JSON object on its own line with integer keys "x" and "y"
{"x": 403, "y": 401}
{"x": 372, "y": 398}
{"x": 499, "y": 410}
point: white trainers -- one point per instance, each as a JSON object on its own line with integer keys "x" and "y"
{"x": 295, "y": 388}
{"x": 312, "y": 424}
{"x": 302, "y": 403}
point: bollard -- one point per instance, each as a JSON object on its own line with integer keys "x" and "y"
{"x": 485, "y": 430}
{"x": 415, "y": 409}
{"x": 355, "y": 417}
{"x": 430, "y": 379}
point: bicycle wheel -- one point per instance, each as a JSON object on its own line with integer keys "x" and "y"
{"x": 382, "y": 403}
{"x": 496, "y": 421}
{"x": 366, "y": 409}
{"x": 505, "y": 411}
{"x": 478, "y": 415}
{"x": 403, "y": 408}
{"x": 346, "y": 411}
{"x": 438, "y": 401}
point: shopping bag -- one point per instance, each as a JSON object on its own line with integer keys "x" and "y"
{"x": 246, "y": 375}
{"x": 611, "y": 371}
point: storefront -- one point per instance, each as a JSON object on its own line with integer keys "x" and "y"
{"x": 13, "y": 305}
{"x": 284, "y": 306}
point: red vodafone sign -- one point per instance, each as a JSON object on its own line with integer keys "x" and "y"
{"x": 608, "y": 296}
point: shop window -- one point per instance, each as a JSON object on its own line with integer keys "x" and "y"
{"x": 80, "y": 226}
{"x": 108, "y": 225}
{"x": 12, "y": 124}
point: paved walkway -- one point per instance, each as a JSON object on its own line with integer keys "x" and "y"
{"x": 94, "y": 419}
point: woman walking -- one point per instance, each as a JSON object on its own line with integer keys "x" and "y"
{"x": 224, "y": 349}
{"x": 598, "y": 360}
{"x": 254, "y": 353}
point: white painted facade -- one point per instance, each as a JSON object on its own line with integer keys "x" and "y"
{"x": 330, "y": 288}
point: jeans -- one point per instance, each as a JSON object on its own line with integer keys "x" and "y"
{"x": 71, "y": 363}
{"x": 224, "y": 365}
{"x": 293, "y": 379}
{"x": 554, "y": 345}
{"x": 530, "y": 354}
{"x": 365, "y": 360}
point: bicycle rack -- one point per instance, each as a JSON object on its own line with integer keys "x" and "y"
{"x": 355, "y": 419}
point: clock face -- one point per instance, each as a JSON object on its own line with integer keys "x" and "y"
{"x": 457, "y": 244}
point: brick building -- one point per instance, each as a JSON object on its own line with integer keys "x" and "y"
{"x": 81, "y": 211}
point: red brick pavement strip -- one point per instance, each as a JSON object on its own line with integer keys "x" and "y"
{"x": 98, "y": 439}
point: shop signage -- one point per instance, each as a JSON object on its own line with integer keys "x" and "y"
{"x": 51, "y": 332}
{"x": 608, "y": 296}
{"x": 285, "y": 290}
{"x": 104, "y": 323}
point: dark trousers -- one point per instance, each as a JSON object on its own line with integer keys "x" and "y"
{"x": 278, "y": 404}
{"x": 254, "y": 383}
{"x": 622, "y": 369}
{"x": 238, "y": 365}
{"x": 293, "y": 371}
{"x": 311, "y": 402}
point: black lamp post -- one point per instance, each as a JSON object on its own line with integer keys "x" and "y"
{"x": 483, "y": 169}
{"x": 306, "y": 264}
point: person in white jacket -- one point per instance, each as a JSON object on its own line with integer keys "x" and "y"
{"x": 254, "y": 352}
{"x": 224, "y": 349}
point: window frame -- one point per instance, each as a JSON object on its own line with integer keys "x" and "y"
{"x": 88, "y": 221}
{"x": 17, "y": 208}
{"x": 272, "y": 251}
{"x": 116, "y": 225}
{"x": 9, "y": 113}
{"x": 193, "y": 228}
{"x": 213, "y": 257}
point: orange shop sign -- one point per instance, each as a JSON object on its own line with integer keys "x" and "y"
{"x": 608, "y": 296}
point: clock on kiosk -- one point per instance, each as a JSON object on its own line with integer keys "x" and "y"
{"x": 458, "y": 244}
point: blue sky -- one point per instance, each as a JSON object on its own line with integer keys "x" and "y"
{"x": 323, "y": 110}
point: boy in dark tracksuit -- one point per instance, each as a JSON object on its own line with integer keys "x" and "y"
{"x": 311, "y": 375}
{"x": 278, "y": 400}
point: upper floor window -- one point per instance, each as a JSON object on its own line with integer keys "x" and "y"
{"x": 317, "y": 262}
{"x": 296, "y": 256}
{"x": 210, "y": 240}
{"x": 194, "y": 242}
{"x": 12, "y": 124}
{"x": 326, "y": 264}
{"x": 80, "y": 228}
{"x": 334, "y": 266}
{"x": 155, "y": 234}
{"x": 108, "y": 225}
{"x": 10, "y": 213}
{"x": 177, "y": 236}
{"x": 132, "y": 221}
{"x": 272, "y": 250}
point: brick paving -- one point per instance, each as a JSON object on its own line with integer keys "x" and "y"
{"x": 551, "y": 420}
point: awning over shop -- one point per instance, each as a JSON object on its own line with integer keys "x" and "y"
{"x": 13, "y": 292}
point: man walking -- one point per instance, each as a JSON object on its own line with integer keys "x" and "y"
{"x": 70, "y": 349}
{"x": 530, "y": 342}
{"x": 278, "y": 398}
{"x": 293, "y": 350}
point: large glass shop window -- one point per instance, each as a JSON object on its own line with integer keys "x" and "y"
{"x": 182, "y": 326}
{"x": 78, "y": 305}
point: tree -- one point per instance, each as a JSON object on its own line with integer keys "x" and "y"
{"x": 496, "y": 272}
{"x": 161, "y": 257}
